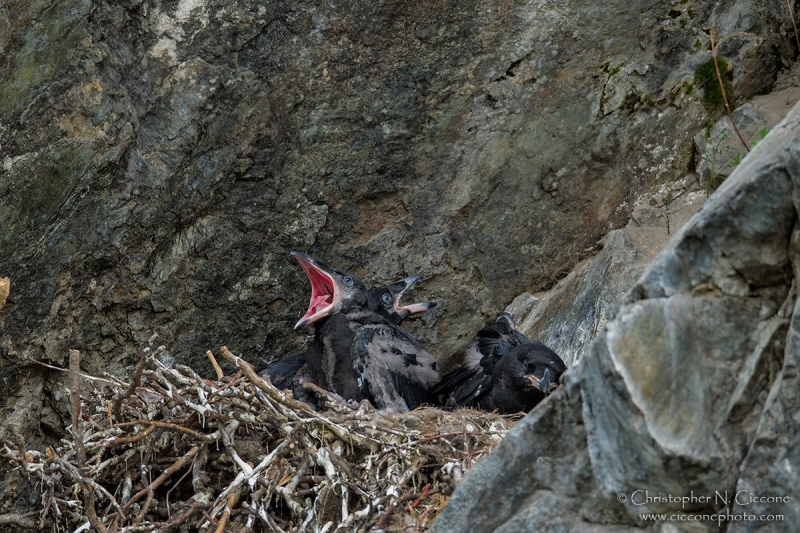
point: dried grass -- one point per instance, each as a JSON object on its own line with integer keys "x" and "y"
{"x": 173, "y": 451}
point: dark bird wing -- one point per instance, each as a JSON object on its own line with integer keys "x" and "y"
{"x": 452, "y": 380}
{"x": 492, "y": 342}
{"x": 394, "y": 370}
{"x": 289, "y": 374}
{"x": 281, "y": 373}
{"x": 472, "y": 390}
{"x": 468, "y": 382}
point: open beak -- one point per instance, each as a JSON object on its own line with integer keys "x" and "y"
{"x": 325, "y": 295}
{"x": 400, "y": 288}
{"x": 544, "y": 384}
{"x": 419, "y": 307}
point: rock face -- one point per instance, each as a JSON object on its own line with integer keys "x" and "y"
{"x": 568, "y": 316}
{"x": 160, "y": 159}
{"x": 719, "y": 148}
{"x": 690, "y": 390}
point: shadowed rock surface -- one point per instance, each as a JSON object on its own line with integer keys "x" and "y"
{"x": 159, "y": 160}
{"x": 690, "y": 389}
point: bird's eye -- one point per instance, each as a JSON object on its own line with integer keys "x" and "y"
{"x": 387, "y": 298}
{"x": 348, "y": 281}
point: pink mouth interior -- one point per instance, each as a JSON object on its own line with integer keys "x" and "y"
{"x": 321, "y": 290}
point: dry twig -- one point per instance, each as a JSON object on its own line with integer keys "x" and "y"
{"x": 136, "y": 382}
{"x": 722, "y": 89}
{"x": 192, "y": 454}
{"x": 214, "y": 363}
{"x": 20, "y": 520}
{"x": 794, "y": 25}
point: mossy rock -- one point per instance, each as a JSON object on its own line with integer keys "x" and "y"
{"x": 706, "y": 77}
{"x": 41, "y": 53}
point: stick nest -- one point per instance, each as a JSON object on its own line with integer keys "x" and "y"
{"x": 185, "y": 453}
